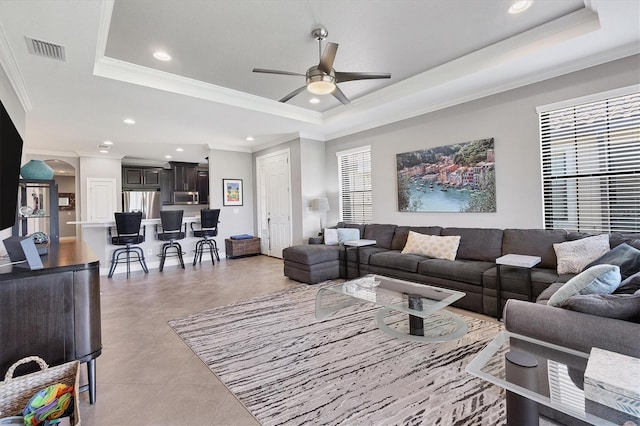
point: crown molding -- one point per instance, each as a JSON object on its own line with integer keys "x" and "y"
{"x": 36, "y": 151}
{"x": 229, "y": 148}
{"x": 11, "y": 68}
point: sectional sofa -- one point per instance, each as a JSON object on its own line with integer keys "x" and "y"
{"x": 473, "y": 271}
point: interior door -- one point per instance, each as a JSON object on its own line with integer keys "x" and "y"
{"x": 274, "y": 200}
{"x": 101, "y": 199}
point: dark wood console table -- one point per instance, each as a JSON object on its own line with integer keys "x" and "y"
{"x": 54, "y": 312}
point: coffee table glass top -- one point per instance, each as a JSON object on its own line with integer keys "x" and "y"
{"x": 392, "y": 293}
{"x": 560, "y": 375}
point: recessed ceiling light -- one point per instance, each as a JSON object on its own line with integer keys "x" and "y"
{"x": 161, "y": 55}
{"x": 314, "y": 101}
{"x": 107, "y": 143}
{"x": 104, "y": 151}
{"x": 250, "y": 138}
{"x": 179, "y": 149}
{"x": 129, "y": 121}
{"x": 167, "y": 156}
{"x": 519, "y": 6}
{"x": 62, "y": 171}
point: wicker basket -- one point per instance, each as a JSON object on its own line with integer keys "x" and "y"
{"x": 15, "y": 392}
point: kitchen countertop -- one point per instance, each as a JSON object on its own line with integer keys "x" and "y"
{"x": 106, "y": 224}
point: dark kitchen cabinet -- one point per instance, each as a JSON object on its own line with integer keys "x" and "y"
{"x": 166, "y": 187}
{"x": 185, "y": 176}
{"x": 203, "y": 186}
{"x": 141, "y": 177}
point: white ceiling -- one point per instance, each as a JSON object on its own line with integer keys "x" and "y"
{"x": 439, "y": 52}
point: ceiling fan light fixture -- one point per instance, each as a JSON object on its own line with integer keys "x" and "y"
{"x": 519, "y": 6}
{"x": 320, "y": 83}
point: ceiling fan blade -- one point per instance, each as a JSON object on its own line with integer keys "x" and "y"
{"x": 337, "y": 93}
{"x": 350, "y": 76}
{"x": 328, "y": 56}
{"x": 266, "y": 71}
{"x": 292, "y": 94}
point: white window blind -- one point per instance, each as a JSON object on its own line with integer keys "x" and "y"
{"x": 591, "y": 165}
{"x": 354, "y": 170}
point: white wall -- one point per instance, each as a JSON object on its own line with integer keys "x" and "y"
{"x": 508, "y": 117}
{"x": 313, "y": 182}
{"x": 232, "y": 165}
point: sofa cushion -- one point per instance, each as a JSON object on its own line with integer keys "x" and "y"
{"x": 402, "y": 232}
{"x": 629, "y": 285}
{"x": 477, "y": 243}
{"x": 311, "y": 254}
{"x": 331, "y": 236}
{"x": 435, "y": 246}
{"x": 599, "y": 279}
{"x": 396, "y": 260}
{"x": 622, "y": 255}
{"x": 617, "y": 238}
{"x": 573, "y": 256}
{"x": 619, "y": 306}
{"x": 534, "y": 242}
{"x": 548, "y": 292}
{"x": 348, "y": 234}
{"x": 383, "y": 234}
{"x": 468, "y": 271}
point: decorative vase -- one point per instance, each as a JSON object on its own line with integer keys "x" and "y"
{"x": 36, "y": 169}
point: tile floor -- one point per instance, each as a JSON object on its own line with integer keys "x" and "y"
{"x": 146, "y": 375}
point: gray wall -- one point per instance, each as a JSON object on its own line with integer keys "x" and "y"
{"x": 509, "y": 117}
{"x": 232, "y": 165}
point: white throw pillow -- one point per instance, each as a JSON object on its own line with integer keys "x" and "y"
{"x": 348, "y": 234}
{"x": 432, "y": 245}
{"x": 573, "y": 256}
{"x": 330, "y": 236}
{"x": 599, "y": 279}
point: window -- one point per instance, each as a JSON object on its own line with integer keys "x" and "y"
{"x": 591, "y": 164}
{"x": 354, "y": 171}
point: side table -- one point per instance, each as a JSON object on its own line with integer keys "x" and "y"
{"x": 357, "y": 244}
{"x": 517, "y": 261}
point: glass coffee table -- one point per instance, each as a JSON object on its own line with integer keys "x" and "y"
{"x": 535, "y": 372}
{"x": 410, "y": 311}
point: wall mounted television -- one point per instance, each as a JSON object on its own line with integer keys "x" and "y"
{"x": 10, "y": 157}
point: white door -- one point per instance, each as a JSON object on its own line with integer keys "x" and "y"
{"x": 102, "y": 199}
{"x": 274, "y": 202}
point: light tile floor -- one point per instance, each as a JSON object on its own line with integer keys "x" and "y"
{"x": 146, "y": 375}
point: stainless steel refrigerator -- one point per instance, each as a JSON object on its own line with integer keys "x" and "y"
{"x": 147, "y": 202}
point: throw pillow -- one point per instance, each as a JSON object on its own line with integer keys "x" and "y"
{"x": 432, "y": 246}
{"x": 599, "y": 279}
{"x": 623, "y": 255}
{"x": 619, "y": 306}
{"x": 330, "y": 236}
{"x": 348, "y": 234}
{"x": 573, "y": 256}
{"x": 630, "y": 285}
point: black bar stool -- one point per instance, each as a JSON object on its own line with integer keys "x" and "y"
{"x": 127, "y": 234}
{"x": 208, "y": 229}
{"x": 171, "y": 231}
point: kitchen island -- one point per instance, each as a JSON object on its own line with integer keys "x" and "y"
{"x": 96, "y": 235}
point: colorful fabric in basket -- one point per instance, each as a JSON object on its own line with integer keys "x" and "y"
{"x": 241, "y": 237}
{"x": 49, "y": 404}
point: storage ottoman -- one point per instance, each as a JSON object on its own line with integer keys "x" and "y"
{"x": 312, "y": 263}
{"x": 245, "y": 247}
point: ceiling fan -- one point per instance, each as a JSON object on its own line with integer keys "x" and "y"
{"x": 322, "y": 79}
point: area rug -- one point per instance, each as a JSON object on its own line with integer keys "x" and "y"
{"x": 289, "y": 368}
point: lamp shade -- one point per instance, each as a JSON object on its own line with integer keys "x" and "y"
{"x": 320, "y": 205}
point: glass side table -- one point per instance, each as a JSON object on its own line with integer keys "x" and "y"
{"x": 517, "y": 261}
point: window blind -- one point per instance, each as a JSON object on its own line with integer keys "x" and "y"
{"x": 354, "y": 170}
{"x": 591, "y": 165}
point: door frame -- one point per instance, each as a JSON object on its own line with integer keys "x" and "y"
{"x": 259, "y": 195}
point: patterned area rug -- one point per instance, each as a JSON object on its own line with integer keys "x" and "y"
{"x": 289, "y": 368}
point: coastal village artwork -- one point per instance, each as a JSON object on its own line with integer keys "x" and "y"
{"x": 451, "y": 178}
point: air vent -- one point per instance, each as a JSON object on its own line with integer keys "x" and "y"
{"x": 46, "y": 49}
{"x": 103, "y": 147}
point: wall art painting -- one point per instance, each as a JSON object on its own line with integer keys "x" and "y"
{"x": 451, "y": 178}
{"x": 232, "y": 192}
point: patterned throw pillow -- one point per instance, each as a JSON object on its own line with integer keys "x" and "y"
{"x": 432, "y": 245}
{"x": 573, "y": 256}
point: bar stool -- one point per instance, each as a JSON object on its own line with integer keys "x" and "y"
{"x": 171, "y": 231}
{"x": 208, "y": 229}
{"x": 127, "y": 234}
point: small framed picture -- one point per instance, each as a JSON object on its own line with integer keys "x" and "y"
{"x": 232, "y": 192}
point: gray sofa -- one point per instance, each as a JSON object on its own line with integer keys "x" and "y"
{"x": 473, "y": 271}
